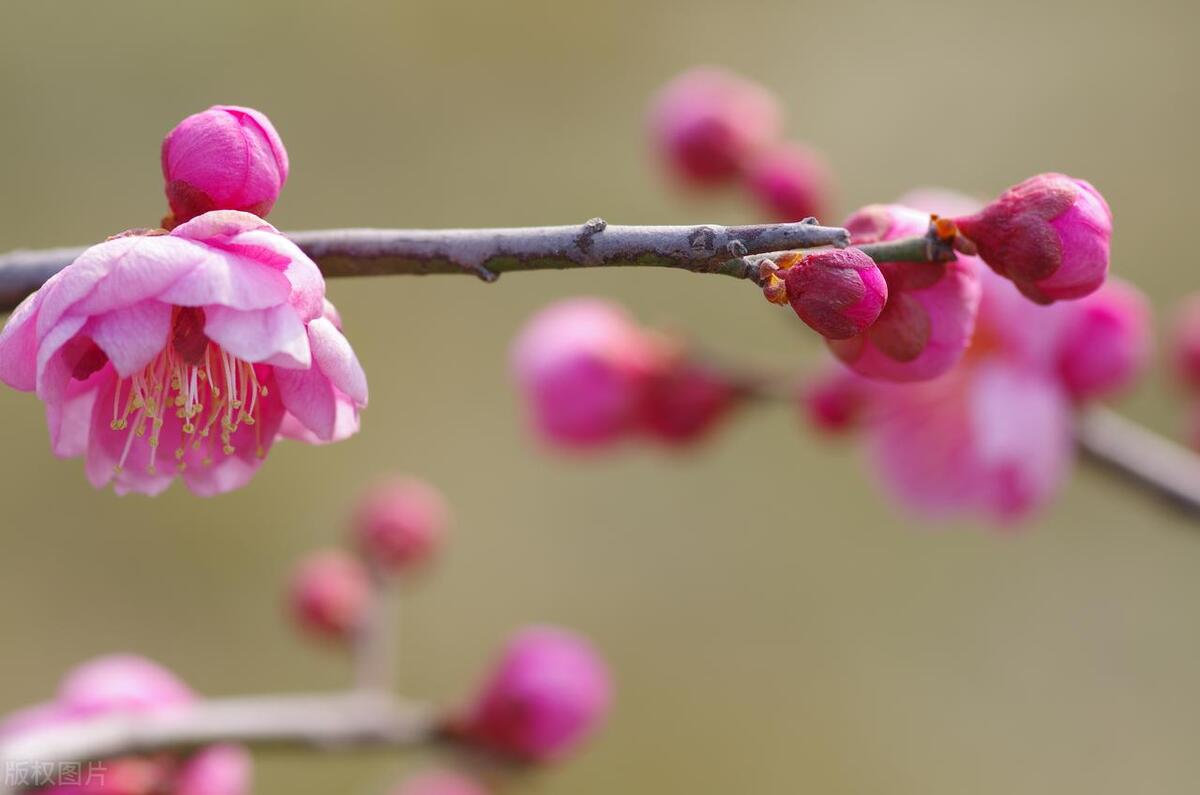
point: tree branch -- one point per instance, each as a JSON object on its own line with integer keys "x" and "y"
{"x": 326, "y": 722}
{"x": 487, "y": 253}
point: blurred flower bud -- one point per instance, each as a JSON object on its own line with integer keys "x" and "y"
{"x": 838, "y": 292}
{"x": 1050, "y": 235}
{"x": 833, "y": 401}
{"x": 399, "y": 523}
{"x": 120, "y": 682}
{"x": 1104, "y": 341}
{"x": 439, "y": 782}
{"x": 223, "y": 158}
{"x": 707, "y": 122}
{"x": 790, "y": 181}
{"x": 685, "y": 400}
{"x": 547, "y": 693}
{"x": 580, "y": 365}
{"x": 1185, "y": 342}
{"x": 215, "y": 770}
{"x": 330, "y": 594}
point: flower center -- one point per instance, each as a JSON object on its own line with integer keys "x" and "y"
{"x": 211, "y": 393}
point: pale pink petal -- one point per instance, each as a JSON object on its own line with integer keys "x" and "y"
{"x": 76, "y": 281}
{"x": 219, "y": 224}
{"x": 133, "y": 336}
{"x": 18, "y": 346}
{"x": 332, "y": 353}
{"x": 270, "y": 336}
{"x": 310, "y": 398}
{"x": 345, "y": 424}
{"x": 215, "y": 770}
{"x": 149, "y": 267}
{"x": 227, "y": 280}
{"x": 70, "y": 419}
{"x": 53, "y": 372}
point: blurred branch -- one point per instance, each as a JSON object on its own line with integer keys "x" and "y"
{"x": 374, "y": 643}
{"x": 327, "y": 722}
{"x": 487, "y": 253}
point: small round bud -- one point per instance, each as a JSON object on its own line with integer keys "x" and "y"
{"x": 548, "y": 692}
{"x": 120, "y": 683}
{"x": 215, "y": 770}
{"x": 833, "y": 401}
{"x": 1104, "y": 341}
{"x": 1050, "y": 235}
{"x": 439, "y": 782}
{"x": 580, "y": 365}
{"x": 1185, "y": 343}
{"x": 223, "y": 158}
{"x": 790, "y": 181}
{"x": 685, "y": 400}
{"x": 707, "y": 122}
{"x": 399, "y": 523}
{"x": 838, "y": 292}
{"x": 330, "y": 593}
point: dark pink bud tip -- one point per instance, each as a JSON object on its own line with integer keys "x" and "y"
{"x": 399, "y": 524}
{"x": 330, "y": 594}
{"x": 1050, "y": 235}
{"x": 838, "y": 293}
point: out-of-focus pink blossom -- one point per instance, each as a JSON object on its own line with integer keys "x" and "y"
{"x": 223, "y": 158}
{"x": 1049, "y": 234}
{"x": 930, "y": 312}
{"x": 1104, "y": 341}
{"x": 839, "y": 293}
{"x": 330, "y": 594}
{"x": 581, "y": 365}
{"x": 548, "y": 692}
{"x": 707, "y": 122}
{"x": 790, "y": 181}
{"x": 685, "y": 400}
{"x": 833, "y": 402}
{"x": 1185, "y": 343}
{"x": 183, "y": 354}
{"x": 120, "y": 683}
{"x": 215, "y": 770}
{"x": 399, "y": 523}
{"x": 439, "y": 782}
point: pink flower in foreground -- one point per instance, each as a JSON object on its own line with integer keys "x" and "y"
{"x": 330, "y": 594}
{"x": 439, "y": 782}
{"x": 184, "y": 354}
{"x": 548, "y": 692}
{"x": 1050, "y": 235}
{"x": 839, "y": 293}
{"x": 128, "y": 684}
{"x": 707, "y": 122}
{"x": 994, "y": 434}
{"x": 223, "y": 158}
{"x": 931, "y": 307}
{"x": 399, "y": 523}
{"x": 790, "y": 181}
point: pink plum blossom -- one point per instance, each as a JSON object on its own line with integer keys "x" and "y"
{"x": 790, "y": 181}
{"x": 329, "y": 594}
{"x": 399, "y": 523}
{"x": 707, "y": 122}
{"x": 548, "y": 692}
{"x": 215, "y": 770}
{"x": 223, "y": 158}
{"x": 684, "y": 400}
{"x": 184, "y": 354}
{"x": 1049, "y": 234}
{"x": 931, "y": 306}
{"x": 839, "y": 293}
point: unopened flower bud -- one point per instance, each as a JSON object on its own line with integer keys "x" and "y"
{"x": 439, "y": 782}
{"x": 330, "y": 594}
{"x": 120, "y": 683}
{"x": 685, "y": 400}
{"x": 223, "y": 158}
{"x": 399, "y": 523}
{"x": 215, "y": 770}
{"x": 1185, "y": 343}
{"x": 1105, "y": 341}
{"x": 790, "y": 181}
{"x": 838, "y": 292}
{"x": 833, "y": 401}
{"x": 1050, "y": 235}
{"x": 548, "y": 692}
{"x": 707, "y": 122}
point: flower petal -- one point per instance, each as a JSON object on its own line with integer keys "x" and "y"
{"x": 133, "y": 336}
{"x": 70, "y": 419}
{"x": 18, "y": 346}
{"x": 332, "y": 353}
{"x": 270, "y": 336}
{"x": 310, "y": 398}
{"x": 225, "y": 279}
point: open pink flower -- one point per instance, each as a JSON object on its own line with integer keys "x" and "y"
{"x": 186, "y": 353}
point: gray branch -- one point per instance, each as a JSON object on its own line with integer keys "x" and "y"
{"x": 327, "y": 722}
{"x": 487, "y": 253}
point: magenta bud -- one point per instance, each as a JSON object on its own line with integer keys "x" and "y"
{"x": 707, "y": 122}
{"x": 1104, "y": 341}
{"x": 838, "y": 292}
{"x": 790, "y": 181}
{"x": 400, "y": 522}
{"x": 439, "y": 782}
{"x": 547, "y": 693}
{"x": 223, "y": 158}
{"x": 1185, "y": 343}
{"x": 330, "y": 594}
{"x": 833, "y": 401}
{"x": 215, "y": 770}
{"x": 1050, "y": 235}
{"x": 685, "y": 401}
{"x": 120, "y": 683}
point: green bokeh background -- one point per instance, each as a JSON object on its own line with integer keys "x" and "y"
{"x": 774, "y": 624}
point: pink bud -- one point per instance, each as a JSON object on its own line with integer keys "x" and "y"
{"x": 791, "y": 182}
{"x": 215, "y": 770}
{"x": 833, "y": 401}
{"x": 1105, "y": 341}
{"x": 580, "y": 365}
{"x": 685, "y": 400}
{"x": 1185, "y": 342}
{"x": 439, "y": 782}
{"x": 120, "y": 682}
{"x": 707, "y": 122}
{"x": 548, "y": 692}
{"x": 330, "y": 594}
{"x": 1050, "y": 235}
{"x": 223, "y": 158}
{"x": 128, "y": 775}
{"x": 399, "y": 523}
{"x": 838, "y": 292}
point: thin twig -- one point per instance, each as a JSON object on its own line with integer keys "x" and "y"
{"x": 374, "y": 643}
{"x": 326, "y": 722}
{"x": 487, "y": 253}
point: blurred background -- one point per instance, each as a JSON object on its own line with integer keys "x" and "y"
{"x": 773, "y": 624}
